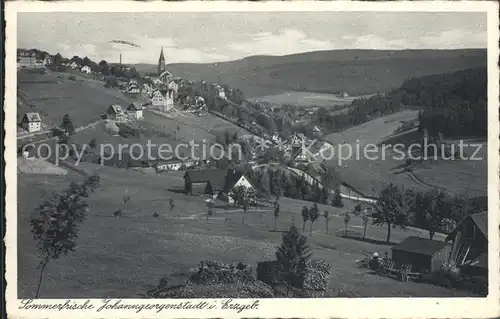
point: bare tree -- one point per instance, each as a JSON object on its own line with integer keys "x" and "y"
{"x": 327, "y": 218}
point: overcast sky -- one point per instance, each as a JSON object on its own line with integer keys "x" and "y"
{"x": 222, "y": 36}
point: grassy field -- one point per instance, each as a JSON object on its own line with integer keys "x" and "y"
{"x": 308, "y": 99}
{"x": 125, "y": 256}
{"x": 369, "y": 176}
{"x": 54, "y": 95}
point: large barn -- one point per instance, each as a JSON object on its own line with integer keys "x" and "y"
{"x": 425, "y": 255}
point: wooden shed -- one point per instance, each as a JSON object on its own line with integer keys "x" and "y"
{"x": 425, "y": 255}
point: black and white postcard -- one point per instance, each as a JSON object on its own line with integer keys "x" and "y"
{"x": 247, "y": 159}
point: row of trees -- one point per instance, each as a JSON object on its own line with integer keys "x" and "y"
{"x": 275, "y": 182}
{"x": 434, "y": 210}
{"x": 454, "y": 103}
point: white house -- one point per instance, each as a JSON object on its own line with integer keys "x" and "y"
{"x": 49, "y": 60}
{"x": 275, "y": 137}
{"x": 26, "y": 58}
{"x": 162, "y": 101}
{"x": 173, "y": 164}
{"x": 135, "y": 111}
{"x": 32, "y": 122}
{"x": 74, "y": 65}
{"x": 234, "y": 180}
{"x": 133, "y": 89}
{"x": 297, "y": 139}
{"x": 86, "y": 69}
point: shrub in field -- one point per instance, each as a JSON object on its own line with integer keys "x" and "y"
{"x": 337, "y": 199}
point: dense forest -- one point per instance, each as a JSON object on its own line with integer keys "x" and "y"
{"x": 454, "y": 104}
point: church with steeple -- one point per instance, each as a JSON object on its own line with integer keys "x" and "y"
{"x": 161, "y": 63}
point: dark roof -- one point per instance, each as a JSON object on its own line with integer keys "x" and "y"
{"x": 117, "y": 109}
{"x": 135, "y": 106}
{"x": 33, "y": 117}
{"x": 419, "y": 245}
{"x": 479, "y": 219}
{"x": 216, "y": 177}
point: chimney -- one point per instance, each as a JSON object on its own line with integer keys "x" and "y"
{"x": 120, "y": 59}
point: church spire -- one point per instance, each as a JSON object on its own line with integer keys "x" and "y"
{"x": 162, "y": 57}
{"x": 161, "y": 62}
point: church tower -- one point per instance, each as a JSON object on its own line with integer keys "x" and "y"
{"x": 161, "y": 63}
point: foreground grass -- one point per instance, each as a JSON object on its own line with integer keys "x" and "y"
{"x": 125, "y": 256}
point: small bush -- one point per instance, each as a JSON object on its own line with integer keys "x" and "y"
{"x": 72, "y": 78}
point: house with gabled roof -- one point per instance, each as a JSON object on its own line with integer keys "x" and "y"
{"x": 297, "y": 139}
{"x": 470, "y": 245}
{"x": 32, "y": 122}
{"x": 135, "y": 111}
{"x": 215, "y": 182}
{"x": 115, "y": 112}
{"x": 162, "y": 100}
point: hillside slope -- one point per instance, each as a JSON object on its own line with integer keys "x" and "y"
{"x": 353, "y": 71}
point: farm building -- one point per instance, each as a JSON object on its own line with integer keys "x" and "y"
{"x": 135, "y": 111}
{"x": 470, "y": 245}
{"x": 31, "y": 122}
{"x": 425, "y": 255}
{"x": 74, "y": 65}
{"x": 115, "y": 112}
{"x": 214, "y": 182}
{"x": 173, "y": 164}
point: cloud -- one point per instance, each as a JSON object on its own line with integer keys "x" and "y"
{"x": 288, "y": 41}
{"x": 449, "y": 39}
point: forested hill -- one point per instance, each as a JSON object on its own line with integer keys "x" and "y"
{"x": 353, "y": 71}
{"x": 454, "y": 104}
